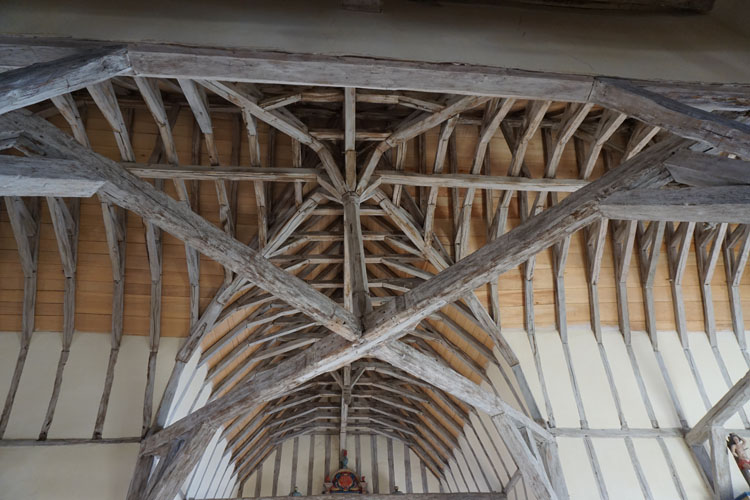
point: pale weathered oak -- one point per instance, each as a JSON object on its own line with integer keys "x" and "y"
{"x": 35, "y": 83}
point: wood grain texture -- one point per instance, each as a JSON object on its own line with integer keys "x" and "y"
{"x": 35, "y": 83}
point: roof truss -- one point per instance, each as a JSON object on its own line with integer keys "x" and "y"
{"x": 359, "y": 330}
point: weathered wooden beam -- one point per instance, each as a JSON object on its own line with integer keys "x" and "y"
{"x": 68, "y": 108}
{"x": 243, "y": 97}
{"x": 66, "y": 441}
{"x": 115, "y": 229}
{"x": 678, "y": 247}
{"x": 518, "y": 143}
{"x": 446, "y": 131}
{"x": 413, "y": 128}
{"x": 623, "y": 241}
{"x": 149, "y": 89}
{"x": 65, "y": 220}
{"x": 726, "y": 407}
{"x": 154, "y": 251}
{"x": 649, "y": 246}
{"x": 516, "y": 246}
{"x": 232, "y": 173}
{"x": 389, "y": 322}
{"x": 709, "y": 240}
{"x": 704, "y": 204}
{"x": 104, "y": 95}
{"x": 608, "y": 124}
{"x": 494, "y": 115}
{"x": 356, "y": 293}
{"x": 35, "y": 83}
{"x": 736, "y": 251}
{"x": 436, "y": 373}
{"x": 722, "y": 481}
{"x": 700, "y": 170}
{"x": 196, "y": 98}
{"x": 170, "y": 61}
{"x": 139, "y": 196}
{"x": 639, "y": 139}
{"x": 572, "y": 118}
{"x": 681, "y": 119}
{"x": 25, "y": 221}
{"x": 39, "y": 176}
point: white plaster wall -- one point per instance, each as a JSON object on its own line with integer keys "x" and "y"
{"x": 615, "y": 463}
{"x": 670, "y": 47}
{"x": 82, "y": 384}
{"x": 99, "y": 471}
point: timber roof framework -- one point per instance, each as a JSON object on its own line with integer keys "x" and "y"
{"x": 353, "y": 308}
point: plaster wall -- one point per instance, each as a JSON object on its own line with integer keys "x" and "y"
{"x": 700, "y": 377}
{"x": 99, "y": 471}
{"x": 711, "y": 48}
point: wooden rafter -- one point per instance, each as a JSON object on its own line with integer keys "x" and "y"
{"x": 25, "y": 220}
{"x": 65, "y": 220}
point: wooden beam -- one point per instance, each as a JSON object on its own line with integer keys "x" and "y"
{"x": 413, "y": 128}
{"x": 726, "y": 407}
{"x": 139, "y": 196}
{"x": 432, "y": 371}
{"x": 68, "y": 108}
{"x": 356, "y": 293}
{"x": 736, "y": 251}
{"x": 233, "y": 173}
{"x": 722, "y": 481}
{"x": 40, "y": 176}
{"x": 709, "y": 240}
{"x": 65, "y": 220}
{"x": 681, "y": 119}
{"x": 35, "y": 83}
{"x": 104, "y": 95}
{"x": 243, "y": 97}
{"x": 608, "y": 124}
{"x": 66, "y": 441}
{"x": 115, "y": 227}
{"x": 649, "y": 246}
{"x": 572, "y": 118}
{"x": 494, "y": 115}
{"x": 149, "y": 89}
{"x": 640, "y": 138}
{"x": 395, "y": 317}
{"x": 518, "y": 143}
{"x": 154, "y": 251}
{"x": 519, "y": 244}
{"x": 704, "y": 204}
{"x": 446, "y": 131}
{"x": 700, "y": 170}
{"x": 25, "y": 221}
{"x": 170, "y": 61}
{"x": 196, "y": 97}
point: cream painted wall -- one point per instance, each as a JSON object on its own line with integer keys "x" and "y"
{"x": 99, "y": 471}
{"x": 670, "y": 47}
{"x": 479, "y": 463}
{"x": 598, "y": 404}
